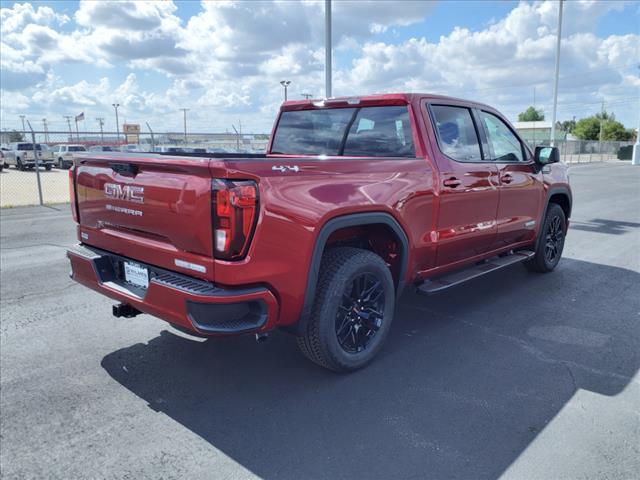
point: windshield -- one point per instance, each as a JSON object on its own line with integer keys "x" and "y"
{"x": 28, "y": 146}
{"x": 77, "y": 148}
{"x": 366, "y": 131}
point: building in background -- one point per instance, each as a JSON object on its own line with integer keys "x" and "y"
{"x": 539, "y": 132}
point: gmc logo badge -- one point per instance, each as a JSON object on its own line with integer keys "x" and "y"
{"x": 128, "y": 193}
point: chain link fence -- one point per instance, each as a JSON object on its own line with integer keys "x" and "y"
{"x": 586, "y": 151}
{"x": 22, "y": 184}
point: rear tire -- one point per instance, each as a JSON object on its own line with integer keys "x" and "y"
{"x": 48, "y": 166}
{"x": 551, "y": 241}
{"x": 352, "y": 310}
{"x": 19, "y": 165}
{"x": 60, "y": 164}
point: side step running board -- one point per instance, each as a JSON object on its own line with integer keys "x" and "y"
{"x": 460, "y": 276}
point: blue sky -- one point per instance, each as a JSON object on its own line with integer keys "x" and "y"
{"x": 224, "y": 62}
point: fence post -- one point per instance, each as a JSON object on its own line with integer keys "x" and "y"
{"x": 35, "y": 156}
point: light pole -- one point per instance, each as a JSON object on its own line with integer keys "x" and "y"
{"x": 184, "y": 112}
{"x": 327, "y": 48}
{"x": 115, "y": 106}
{"x": 46, "y": 130}
{"x": 24, "y": 132}
{"x": 101, "y": 122}
{"x": 635, "y": 159}
{"x": 555, "y": 82}
{"x": 306, "y": 96}
{"x": 285, "y": 84}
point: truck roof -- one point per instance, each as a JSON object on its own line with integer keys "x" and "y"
{"x": 375, "y": 99}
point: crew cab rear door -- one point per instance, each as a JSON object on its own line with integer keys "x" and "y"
{"x": 468, "y": 184}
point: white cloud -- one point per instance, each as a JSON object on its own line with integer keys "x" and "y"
{"x": 226, "y": 61}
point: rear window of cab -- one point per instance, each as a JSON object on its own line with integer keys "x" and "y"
{"x": 355, "y": 131}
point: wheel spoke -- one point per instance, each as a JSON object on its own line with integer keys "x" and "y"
{"x": 361, "y": 313}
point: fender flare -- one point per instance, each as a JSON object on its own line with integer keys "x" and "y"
{"x": 344, "y": 221}
{"x": 558, "y": 189}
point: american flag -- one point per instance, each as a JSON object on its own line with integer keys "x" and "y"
{"x": 80, "y": 117}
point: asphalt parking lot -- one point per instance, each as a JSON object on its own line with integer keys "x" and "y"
{"x": 516, "y": 375}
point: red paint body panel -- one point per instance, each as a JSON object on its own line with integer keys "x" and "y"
{"x": 445, "y": 227}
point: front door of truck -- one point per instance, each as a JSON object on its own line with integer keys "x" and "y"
{"x": 521, "y": 188}
{"x": 468, "y": 185}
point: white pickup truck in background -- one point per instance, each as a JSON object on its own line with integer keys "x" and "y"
{"x": 21, "y": 155}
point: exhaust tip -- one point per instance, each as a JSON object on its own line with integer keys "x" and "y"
{"x": 262, "y": 337}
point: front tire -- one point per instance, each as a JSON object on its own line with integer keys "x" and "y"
{"x": 352, "y": 311}
{"x": 551, "y": 242}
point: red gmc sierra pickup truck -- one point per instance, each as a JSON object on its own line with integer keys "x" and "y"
{"x": 355, "y": 199}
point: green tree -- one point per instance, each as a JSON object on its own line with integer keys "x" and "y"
{"x": 15, "y": 136}
{"x": 568, "y": 125}
{"x": 589, "y": 128}
{"x": 531, "y": 115}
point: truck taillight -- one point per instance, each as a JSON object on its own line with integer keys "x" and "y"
{"x": 235, "y": 212}
{"x": 72, "y": 194}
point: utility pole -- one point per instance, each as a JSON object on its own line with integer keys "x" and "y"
{"x": 327, "y": 48}
{"x": 101, "y": 123}
{"x": 555, "y": 81}
{"x": 68, "y": 117}
{"x": 534, "y": 123}
{"x": 306, "y": 96}
{"x": 184, "y": 111}
{"x": 600, "y": 134}
{"x": 24, "y": 131}
{"x": 285, "y": 84}
{"x": 115, "y": 106}
{"x": 46, "y": 130}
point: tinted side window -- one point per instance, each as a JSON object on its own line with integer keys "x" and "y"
{"x": 380, "y": 132}
{"x": 506, "y": 146}
{"x": 456, "y": 133}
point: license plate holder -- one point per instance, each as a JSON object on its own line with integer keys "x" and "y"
{"x": 136, "y": 274}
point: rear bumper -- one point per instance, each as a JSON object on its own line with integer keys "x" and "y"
{"x": 187, "y": 302}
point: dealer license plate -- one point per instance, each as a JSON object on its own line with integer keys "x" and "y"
{"x": 136, "y": 274}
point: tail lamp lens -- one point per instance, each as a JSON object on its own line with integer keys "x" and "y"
{"x": 235, "y": 211}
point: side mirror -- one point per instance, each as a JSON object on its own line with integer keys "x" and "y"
{"x": 546, "y": 155}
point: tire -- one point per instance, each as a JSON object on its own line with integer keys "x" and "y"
{"x": 48, "y": 166}
{"x": 551, "y": 242}
{"x": 60, "y": 164}
{"x": 345, "y": 339}
{"x": 19, "y": 165}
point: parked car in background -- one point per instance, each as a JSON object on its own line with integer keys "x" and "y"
{"x": 63, "y": 154}
{"x": 21, "y": 155}
{"x": 134, "y": 147}
{"x": 164, "y": 149}
{"x": 103, "y": 148}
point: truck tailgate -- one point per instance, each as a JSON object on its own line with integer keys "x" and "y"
{"x": 137, "y": 205}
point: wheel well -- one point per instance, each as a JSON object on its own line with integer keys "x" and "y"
{"x": 377, "y": 238}
{"x": 562, "y": 200}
